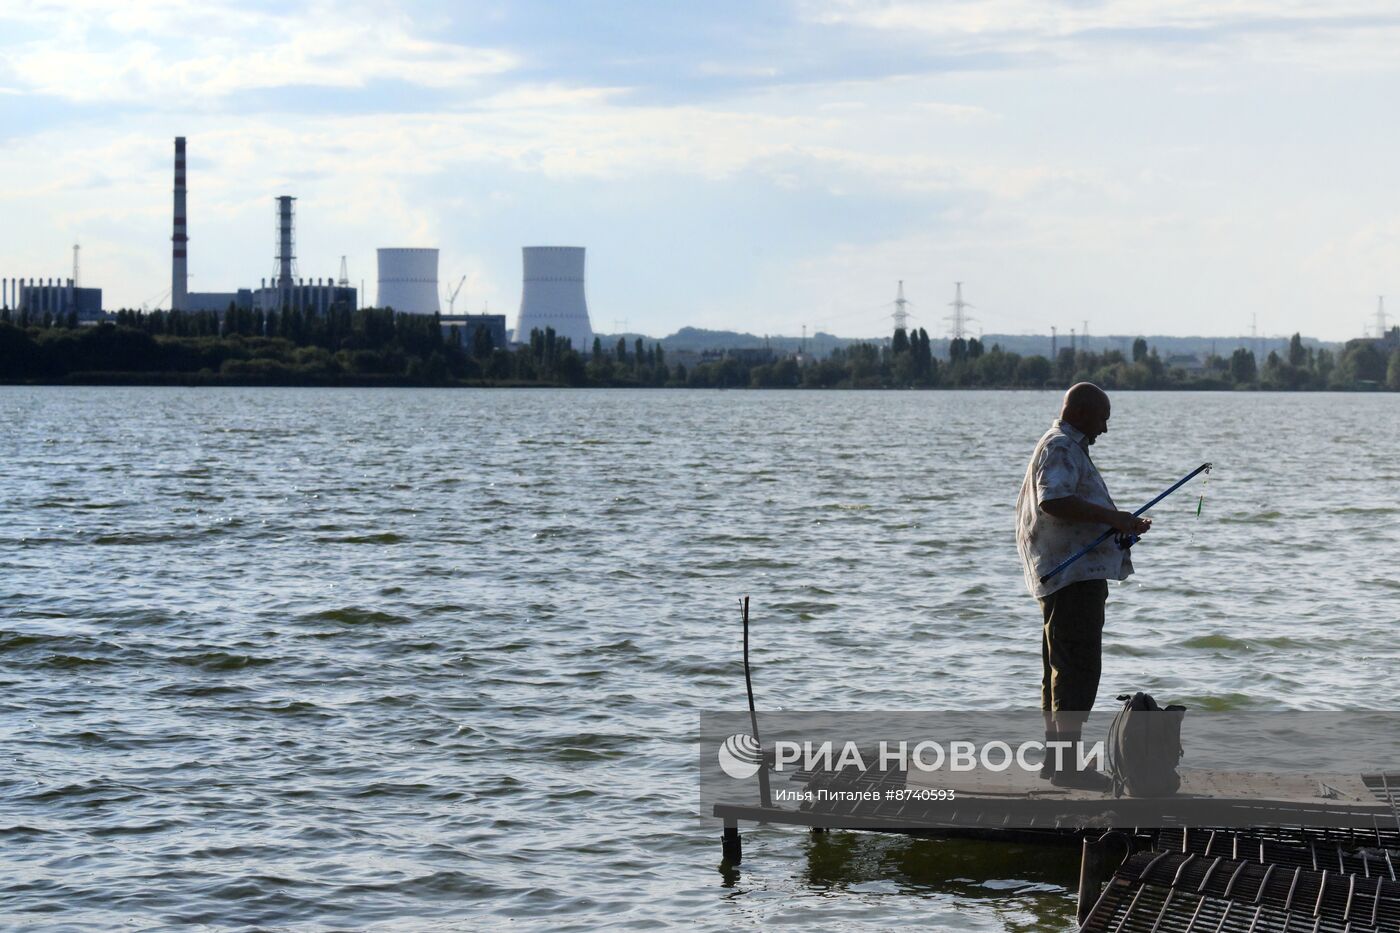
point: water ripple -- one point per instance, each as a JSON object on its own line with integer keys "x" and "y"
{"x": 403, "y": 659}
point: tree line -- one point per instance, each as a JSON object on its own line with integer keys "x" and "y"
{"x": 376, "y": 346}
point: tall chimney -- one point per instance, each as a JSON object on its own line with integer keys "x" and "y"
{"x": 179, "y": 278}
{"x": 286, "y": 252}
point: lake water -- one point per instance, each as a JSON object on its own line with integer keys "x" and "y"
{"x": 422, "y": 660}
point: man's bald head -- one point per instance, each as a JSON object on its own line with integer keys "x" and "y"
{"x": 1086, "y": 409}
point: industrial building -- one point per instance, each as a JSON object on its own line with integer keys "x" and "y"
{"x": 468, "y": 324}
{"x": 408, "y": 280}
{"x": 218, "y": 301}
{"x": 284, "y": 290}
{"x": 552, "y": 295}
{"x": 58, "y": 297}
{"x": 311, "y": 295}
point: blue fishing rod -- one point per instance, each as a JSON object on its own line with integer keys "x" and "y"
{"x": 1131, "y": 539}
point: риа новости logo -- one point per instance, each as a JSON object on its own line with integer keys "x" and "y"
{"x": 740, "y": 756}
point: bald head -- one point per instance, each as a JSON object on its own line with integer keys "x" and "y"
{"x": 1086, "y": 409}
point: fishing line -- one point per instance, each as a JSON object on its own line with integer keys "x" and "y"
{"x": 1200, "y": 503}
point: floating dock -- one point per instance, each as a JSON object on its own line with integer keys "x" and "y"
{"x": 1283, "y": 875}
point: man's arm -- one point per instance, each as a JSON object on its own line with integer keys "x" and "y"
{"x": 1075, "y": 509}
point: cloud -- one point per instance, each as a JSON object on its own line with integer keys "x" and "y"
{"x": 737, "y": 70}
{"x": 723, "y": 169}
{"x": 547, "y": 97}
{"x": 176, "y": 55}
{"x": 1344, "y": 35}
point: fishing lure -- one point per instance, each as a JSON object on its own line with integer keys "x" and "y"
{"x": 1199, "y": 504}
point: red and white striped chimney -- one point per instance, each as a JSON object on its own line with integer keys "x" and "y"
{"x": 179, "y": 278}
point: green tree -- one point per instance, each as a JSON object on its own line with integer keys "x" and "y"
{"x": 1139, "y": 350}
{"x": 1363, "y": 362}
{"x": 1064, "y": 366}
{"x": 1242, "y": 366}
{"x": 482, "y": 344}
{"x": 1033, "y": 371}
{"x": 1297, "y": 353}
{"x": 900, "y": 344}
{"x": 926, "y": 368}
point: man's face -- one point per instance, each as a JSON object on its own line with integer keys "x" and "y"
{"x": 1090, "y": 418}
{"x": 1095, "y": 420}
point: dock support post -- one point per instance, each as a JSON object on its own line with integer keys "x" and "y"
{"x": 1099, "y": 860}
{"x": 733, "y": 847}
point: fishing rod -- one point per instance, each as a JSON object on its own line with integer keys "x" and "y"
{"x": 1203, "y": 468}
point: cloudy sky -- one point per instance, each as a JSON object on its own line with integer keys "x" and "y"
{"x": 1148, "y": 167}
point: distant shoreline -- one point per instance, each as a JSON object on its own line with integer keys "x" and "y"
{"x": 220, "y": 381}
{"x": 381, "y": 348}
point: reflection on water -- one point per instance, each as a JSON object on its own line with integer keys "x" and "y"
{"x": 1013, "y": 886}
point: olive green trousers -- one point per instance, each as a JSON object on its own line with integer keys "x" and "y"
{"x": 1071, "y": 646}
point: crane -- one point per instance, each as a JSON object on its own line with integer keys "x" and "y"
{"x": 452, "y": 298}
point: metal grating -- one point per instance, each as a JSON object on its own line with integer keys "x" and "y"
{"x": 1368, "y": 854}
{"x": 1176, "y": 892}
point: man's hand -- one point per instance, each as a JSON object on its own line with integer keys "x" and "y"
{"x": 1130, "y": 524}
{"x": 1075, "y": 509}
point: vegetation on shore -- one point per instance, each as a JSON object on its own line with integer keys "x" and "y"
{"x": 379, "y": 347}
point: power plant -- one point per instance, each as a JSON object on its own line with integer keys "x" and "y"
{"x": 408, "y": 280}
{"x": 285, "y": 290}
{"x": 552, "y": 295}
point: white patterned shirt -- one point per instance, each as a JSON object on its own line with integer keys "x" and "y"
{"x": 1061, "y": 467}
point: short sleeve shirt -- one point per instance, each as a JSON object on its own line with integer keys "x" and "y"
{"x": 1061, "y": 467}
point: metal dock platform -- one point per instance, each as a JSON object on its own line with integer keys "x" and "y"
{"x": 1281, "y": 876}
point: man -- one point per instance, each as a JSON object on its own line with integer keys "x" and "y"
{"x": 1063, "y": 506}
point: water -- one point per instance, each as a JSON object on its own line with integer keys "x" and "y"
{"x": 306, "y": 659}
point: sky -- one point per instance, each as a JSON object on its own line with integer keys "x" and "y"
{"x": 1146, "y": 167}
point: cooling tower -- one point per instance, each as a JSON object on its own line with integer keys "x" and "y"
{"x": 553, "y": 295}
{"x": 408, "y": 280}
